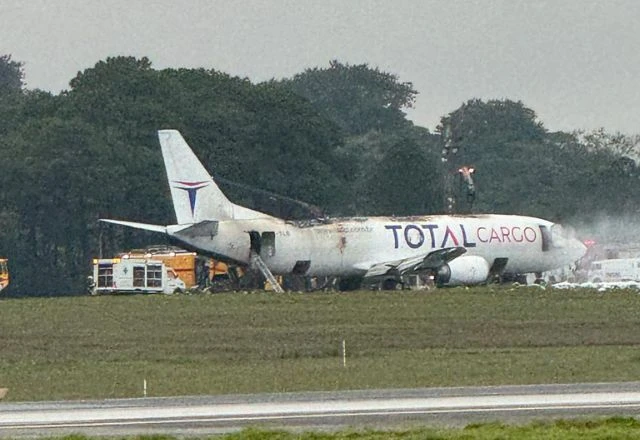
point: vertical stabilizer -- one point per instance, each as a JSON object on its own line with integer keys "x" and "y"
{"x": 196, "y": 197}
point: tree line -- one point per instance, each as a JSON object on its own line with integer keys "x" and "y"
{"x": 335, "y": 137}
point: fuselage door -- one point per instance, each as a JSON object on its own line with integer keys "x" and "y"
{"x": 268, "y": 244}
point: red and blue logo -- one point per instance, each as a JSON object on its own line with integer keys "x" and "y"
{"x": 192, "y": 189}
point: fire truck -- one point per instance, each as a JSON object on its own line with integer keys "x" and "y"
{"x": 613, "y": 270}
{"x": 134, "y": 275}
{"x": 181, "y": 261}
{"x": 4, "y": 274}
{"x": 194, "y": 270}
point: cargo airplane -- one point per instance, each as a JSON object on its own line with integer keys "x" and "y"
{"x": 455, "y": 249}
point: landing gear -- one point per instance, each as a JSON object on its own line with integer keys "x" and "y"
{"x": 389, "y": 284}
{"x": 346, "y": 284}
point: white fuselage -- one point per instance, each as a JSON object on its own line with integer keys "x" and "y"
{"x": 346, "y": 247}
{"x": 350, "y": 247}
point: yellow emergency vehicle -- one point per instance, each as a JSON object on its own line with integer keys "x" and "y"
{"x": 135, "y": 275}
{"x": 181, "y": 261}
{"x": 4, "y": 274}
{"x": 194, "y": 270}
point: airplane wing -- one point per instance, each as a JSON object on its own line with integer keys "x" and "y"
{"x": 419, "y": 263}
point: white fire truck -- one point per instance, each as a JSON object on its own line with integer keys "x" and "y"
{"x": 618, "y": 269}
{"x": 134, "y": 275}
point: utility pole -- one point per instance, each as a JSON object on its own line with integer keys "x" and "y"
{"x": 449, "y": 150}
{"x": 449, "y": 153}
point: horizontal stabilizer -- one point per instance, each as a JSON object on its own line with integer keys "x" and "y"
{"x": 207, "y": 228}
{"x": 145, "y": 226}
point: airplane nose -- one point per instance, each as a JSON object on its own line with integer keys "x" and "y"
{"x": 577, "y": 249}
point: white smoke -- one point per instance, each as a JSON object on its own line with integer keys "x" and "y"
{"x": 616, "y": 233}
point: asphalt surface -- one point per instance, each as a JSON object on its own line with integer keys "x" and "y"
{"x": 372, "y": 409}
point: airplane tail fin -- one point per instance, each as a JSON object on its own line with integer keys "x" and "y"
{"x": 196, "y": 197}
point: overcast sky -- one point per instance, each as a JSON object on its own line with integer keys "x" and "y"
{"x": 576, "y": 63}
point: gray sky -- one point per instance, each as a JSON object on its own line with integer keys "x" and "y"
{"x": 576, "y": 63}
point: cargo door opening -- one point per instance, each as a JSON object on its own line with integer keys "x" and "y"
{"x": 255, "y": 242}
{"x": 301, "y": 267}
{"x": 263, "y": 244}
{"x": 268, "y": 244}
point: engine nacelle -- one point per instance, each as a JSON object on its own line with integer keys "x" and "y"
{"x": 465, "y": 270}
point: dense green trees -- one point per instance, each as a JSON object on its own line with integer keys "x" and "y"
{"x": 11, "y": 75}
{"x": 523, "y": 168}
{"x": 392, "y": 166}
{"x": 357, "y": 98}
{"x": 335, "y": 137}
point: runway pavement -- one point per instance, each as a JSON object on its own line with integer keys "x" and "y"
{"x": 376, "y": 409}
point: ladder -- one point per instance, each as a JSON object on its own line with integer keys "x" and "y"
{"x": 256, "y": 260}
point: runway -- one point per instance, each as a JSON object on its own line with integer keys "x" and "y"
{"x": 374, "y": 409}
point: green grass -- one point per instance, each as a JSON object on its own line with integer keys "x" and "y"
{"x": 104, "y": 347}
{"x": 611, "y": 428}
{"x": 602, "y": 429}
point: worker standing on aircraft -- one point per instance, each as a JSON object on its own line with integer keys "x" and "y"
{"x": 466, "y": 173}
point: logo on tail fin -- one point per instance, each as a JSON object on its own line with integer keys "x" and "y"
{"x": 192, "y": 189}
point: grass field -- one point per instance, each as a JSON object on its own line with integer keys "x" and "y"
{"x": 613, "y": 428}
{"x": 104, "y": 347}
{"x": 604, "y": 429}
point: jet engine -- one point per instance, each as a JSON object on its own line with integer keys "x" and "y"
{"x": 463, "y": 270}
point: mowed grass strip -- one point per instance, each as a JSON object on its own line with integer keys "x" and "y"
{"x": 610, "y": 428}
{"x": 104, "y": 347}
{"x": 578, "y": 429}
